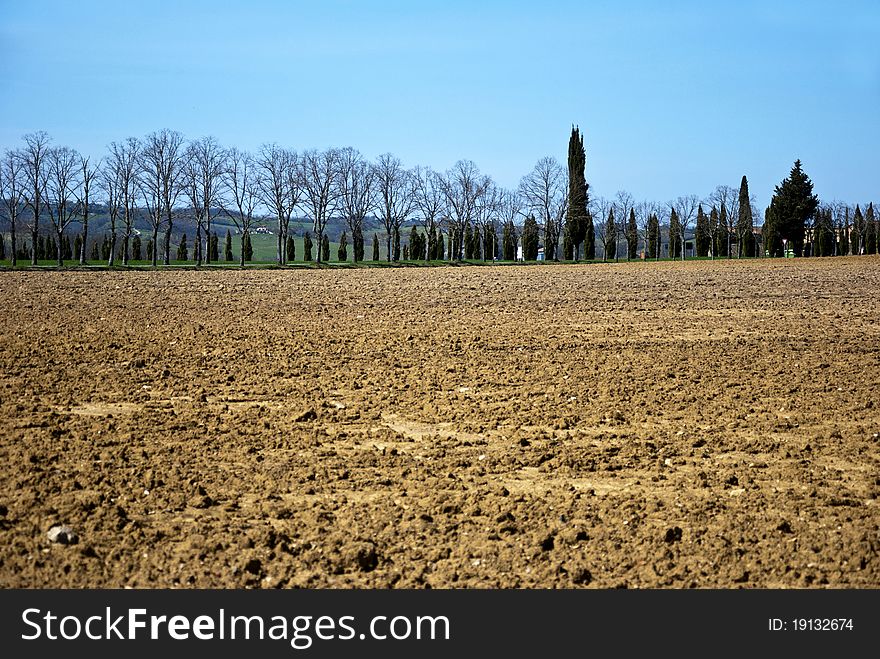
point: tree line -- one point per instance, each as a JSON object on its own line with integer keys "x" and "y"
{"x": 167, "y": 182}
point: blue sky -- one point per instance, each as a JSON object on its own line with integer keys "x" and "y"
{"x": 673, "y": 97}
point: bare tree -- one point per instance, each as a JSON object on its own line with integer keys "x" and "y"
{"x": 623, "y": 204}
{"x": 88, "y": 176}
{"x": 162, "y": 159}
{"x": 279, "y": 188}
{"x": 356, "y": 189}
{"x": 686, "y": 209}
{"x": 726, "y": 199}
{"x": 492, "y": 202}
{"x": 545, "y": 191}
{"x": 461, "y": 187}
{"x": 395, "y": 198}
{"x": 600, "y": 207}
{"x": 33, "y": 156}
{"x": 430, "y": 202}
{"x": 318, "y": 172}
{"x": 62, "y": 182}
{"x": 203, "y": 178}
{"x": 644, "y": 211}
{"x": 12, "y": 194}
{"x": 121, "y": 182}
{"x": 243, "y": 193}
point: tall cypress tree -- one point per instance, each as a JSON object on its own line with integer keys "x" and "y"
{"x": 289, "y": 248}
{"x": 590, "y": 238}
{"x": 509, "y": 241}
{"x": 325, "y": 249}
{"x": 307, "y": 247}
{"x": 530, "y": 239}
{"x": 652, "y": 248}
{"x": 468, "y": 242}
{"x": 610, "y": 245}
{"x": 870, "y": 230}
{"x": 632, "y": 236}
{"x": 182, "y": 249}
{"x": 857, "y": 234}
{"x": 745, "y": 224}
{"x": 248, "y": 248}
{"x": 227, "y": 247}
{"x": 342, "y": 250}
{"x": 577, "y": 218}
{"x": 793, "y": 203}
{"x": 674, "y": 235}
{"x": 702, "y": 238}
{"x": 396, "y": 246}
{"x": 375, "y": 247}
{"x": 136, "y": 247}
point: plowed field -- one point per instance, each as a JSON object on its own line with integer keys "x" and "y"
{"x": 634, "y": 425}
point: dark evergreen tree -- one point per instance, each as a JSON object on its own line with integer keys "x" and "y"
{"x": 610, "y": 238}
{"x": 490, "y": 242}
{"x": 509, "y": 241}
{"x": 307, "y": 247}
{"x": 590, "y": 239}
{"x": 406, "y": 252}
{"x": 652, "y": 248}
{"x": 325, "y": 249}
{"x": 577, "y": 219}
{"x": 770, "y": 236}
{"x": 468, "y": 242}
{"x": 77, "y": 245}
{"x": 567, "y": 245}
{"x": 66, "y": 248}
{"x": 182, "y": 249}
{"x": 745, "y": 225}
{"x": 824, "y": 233}
{"x": 702, "y": 239}
{"x": 227, "y": 248}
{"x": 396, "y": 246}
{"x": 215, "y": 247}
{"x": 357, "y": 243}
{"x": 674, "y": 235}
{"x": 632, "y": 237}
{"x": 342, "y": 250}
{"x": 870, "y": 230}
{"x": 415, "y": 244}
{"x": 136, "y": 247}
{"x": 530, "y": 237}
{"x": 96, "y": 254}
{"x": 722, "y": 236}
{"x": 290, "y": 249}
{"x": 248, "y": 248}
{"x": 856, "y": 231}
{"x": 842, "y": 240}
{"x": 793, "y": 204}
{"x": 375, "y": 247}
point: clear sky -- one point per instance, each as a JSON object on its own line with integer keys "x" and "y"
{"x": 673, "y": 97}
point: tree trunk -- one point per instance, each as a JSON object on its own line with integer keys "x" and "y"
{"x": 166, "y": 257}
{"x": 58, "y": 250}
{"x": 112, "y": 249}
{"x": 388, "y": 245}
{"x": 34, "y": 237}
{"x": 241, "y": 254}
{"x": 125, "y": 239}
{"x": 198, "y": 245}
{"x": 85, "y": 236}
{"x": 14, "y": 257}
{"x": 155, "y": 253}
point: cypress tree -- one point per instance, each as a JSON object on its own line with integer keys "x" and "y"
{"x": 325, "y": 248}
{"x": 77, "y": 245}
{"x": 610, "y": 236}
{"x": 567, "y": 245}
{"x": 674, "y": 235}
{"x": 290, "y": 248}
{"x": 530, "y": 237}
{"x": 722, "y": 236}
{"x": 590, "y": 239}
{"x": 577, "y": 220}
{"x": 406, "y": 252}
{"x": 793, "y": 203}
{"x": 307, "y": 246}
{"x": 632, "y": 237}
{"x": 136, "y": 247}
{"x": 509, "y": 241}
{"x": 248, "y": 248}
{"x": 843, "y": 241}
{"x": 66, "y": 249}
{"x": 95, "y": 255}
{"x": 396, "y": 245}
{"x": 415, "y": 240}
{"x": 824, "y": 238}
{"x": 870, "y": 230}
{"x": 183, "y": 250}
{"x": 468, "y": 242}
{"x": 772, "y": 240}
{"x": 342, "y": 251}
{"x": 215, "y": 246}
{"x": 652, "y": 248}
{"x": 227, "y": 248}
{"x": 3, "y": 247}
{"x": 702, "y": 238}
{"x": 856, "y": 235}
{"x": 745, "y": 223}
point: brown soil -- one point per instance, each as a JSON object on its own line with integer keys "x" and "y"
{"x": 641, "y": 425}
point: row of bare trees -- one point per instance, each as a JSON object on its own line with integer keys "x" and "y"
{"x": 164, "y": 180}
